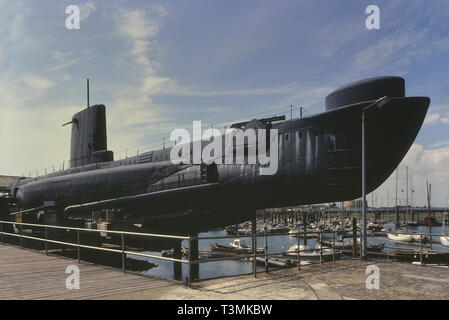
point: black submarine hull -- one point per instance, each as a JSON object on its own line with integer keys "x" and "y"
{"x": 319, "y": 160}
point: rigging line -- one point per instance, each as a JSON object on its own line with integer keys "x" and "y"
{"x": 286, "y": 108}
{"x": 447, "y": 199}
{"x": 160, "y": 140}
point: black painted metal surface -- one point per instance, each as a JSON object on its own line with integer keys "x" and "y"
{"x": 319, "y": 161}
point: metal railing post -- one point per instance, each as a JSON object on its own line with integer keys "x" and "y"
{"x": 321, "y": 247}
{"x": 361, "y": 256}
{"x": 266, "y": 252}
{"x": 333, "y": 247}
{"x": 123, "y": 254}
{"x": 46, "y": 242}
{"x": 420, "y": 249}
{"x": 1, "y": 232}
{"x": 386, "y": 249}
{"x": 21, "y": 238}
{"x": 298, "y": 256}
{"x": 254, "y": 255}
{"x": 354, "y": 238}
{"x": 78, "y": 245}
{"x": 189, "y": 279}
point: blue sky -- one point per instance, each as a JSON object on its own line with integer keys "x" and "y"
{"x": 159, "y": 65}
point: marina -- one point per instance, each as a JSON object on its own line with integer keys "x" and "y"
{"x": 221, "y": 253}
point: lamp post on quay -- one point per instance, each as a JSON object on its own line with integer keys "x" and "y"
{"x": 364, "y": 243}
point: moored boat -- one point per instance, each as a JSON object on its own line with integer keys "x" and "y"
{"x": 306, "y": 252}
{"x": 405, "y": 237}
{"x": 444, "y": 241}
{"x": 348, "y": 243}
{"x": 238, "y": 246}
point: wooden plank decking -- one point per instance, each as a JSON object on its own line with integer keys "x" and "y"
{"x": 25, "y": 274}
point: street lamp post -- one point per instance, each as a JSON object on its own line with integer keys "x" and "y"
{"x": 364, "y": 243}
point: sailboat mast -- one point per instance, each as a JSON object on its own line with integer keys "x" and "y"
{"x": 396, "y": 205}
{"x": 428, "y": 210}
{"x": 411, "y": 195}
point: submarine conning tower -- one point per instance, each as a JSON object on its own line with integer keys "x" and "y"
{"x": 366, "y": 90}
{"x": 89, "y": 140}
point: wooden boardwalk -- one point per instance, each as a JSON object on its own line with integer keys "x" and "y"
{"x": 26, "y": 274}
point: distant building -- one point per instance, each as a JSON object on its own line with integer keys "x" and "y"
{"x": 357, "y": 203}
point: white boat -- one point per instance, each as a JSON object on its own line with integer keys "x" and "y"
{"x": 444, "y": 240}
{"x": 239, "y": 244}
{"x": 308, "y": 252}
{"x": 244, "y": 231}
{"x": 346, "y": 244}
{"x": 405, "y": 237}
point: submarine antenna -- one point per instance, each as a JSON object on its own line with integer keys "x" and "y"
{"x": 88, "y": 92}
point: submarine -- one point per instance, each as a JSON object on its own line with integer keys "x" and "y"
{"x": 319, "y": 161}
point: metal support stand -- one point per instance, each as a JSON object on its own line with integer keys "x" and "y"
{"x": 333, "y": 247}
{"x": 189, "y": 278}
{"x": 254, "y": 232}
{"x": 177, "y": 266}
{"x": 354, "y": 237}
{"x": 266, "y": 251}
{"x": 193, "y": 256}
{"x": 298, "y": 256}
{"x": 304, "y": 221}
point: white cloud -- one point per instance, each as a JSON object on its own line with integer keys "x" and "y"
{"x": 424, "y": 165}
{"x": 176, "y": 90}
{"x": 37, "y": 83}
{"x": 86, "y": 9}
{"x": 60, "y": 55}
{"x": 132, "y": 110}
{"x": 66, "y": 64}
{"x": 439, "y": 144}
{"x": 434, "y": 118}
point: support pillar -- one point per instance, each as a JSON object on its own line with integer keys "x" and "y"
{"x": 254, "y": 243}
{"x": 177, "y": 266}
{"x": 354, "y": 237}
{"x": 304, "y": 221}
{"x": 193, "y": 256}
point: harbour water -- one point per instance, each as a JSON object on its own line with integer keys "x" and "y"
{"x": 276, "y": 244}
